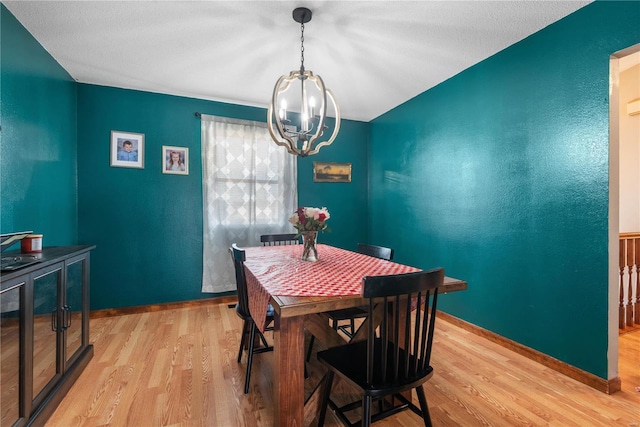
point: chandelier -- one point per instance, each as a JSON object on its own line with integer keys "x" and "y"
{"x": 298, "y": 108}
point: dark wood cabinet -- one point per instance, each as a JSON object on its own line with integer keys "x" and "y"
{"x": 44, "y": 341}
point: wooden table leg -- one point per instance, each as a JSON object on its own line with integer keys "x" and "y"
{"x": 318, "y": 325}
{"x": 362, "y": 332}
{"x": 288, "y": 381}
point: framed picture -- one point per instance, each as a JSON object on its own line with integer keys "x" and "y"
{"x": 331, "y": 172}
{"x": 175, "y": 160}
{"x": 127, "y": 149}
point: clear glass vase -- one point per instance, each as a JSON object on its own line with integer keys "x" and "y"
{"x": 309, "y": 249}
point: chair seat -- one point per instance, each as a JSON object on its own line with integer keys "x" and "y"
{"x": 350, "y": 362}
{"x": 348, "y": 313}
{"x": 244, "y": 316}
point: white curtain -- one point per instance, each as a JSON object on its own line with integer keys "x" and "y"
{"x": 249, "y": 188}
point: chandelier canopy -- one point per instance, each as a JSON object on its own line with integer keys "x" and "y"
{"x": 298, "y": 108}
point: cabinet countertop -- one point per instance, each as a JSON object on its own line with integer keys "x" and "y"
{"x": 49, "y": 255}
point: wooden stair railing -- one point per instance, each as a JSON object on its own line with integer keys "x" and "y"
{"x": 629, "y": 311}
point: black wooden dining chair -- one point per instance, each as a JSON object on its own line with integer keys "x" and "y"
{"x": 282, "y": 240}
{"x": 395, "y": 361}
{"x": 353, "y": 313}
{"x": 249, "y": 328}
{"x": 279, "y": 239}
{"x": 376, "y": 251}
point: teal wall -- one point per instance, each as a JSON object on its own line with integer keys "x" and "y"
{"x": 500, "y": 175}
{"x": 347, "y": 202}
{"x": 38, "y": 138}
{"x": 148, "y": 225}
{"x": 56, "y": 177}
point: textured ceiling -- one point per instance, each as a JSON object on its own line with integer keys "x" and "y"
{"x": 373, "y": 55}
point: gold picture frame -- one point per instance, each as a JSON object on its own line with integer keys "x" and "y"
{"x": 331, "y": 172}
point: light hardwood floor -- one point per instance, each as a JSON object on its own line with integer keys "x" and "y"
{"x": 178, "y": 368}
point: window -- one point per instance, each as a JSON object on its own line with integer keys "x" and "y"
{"x": 249, "y": 189}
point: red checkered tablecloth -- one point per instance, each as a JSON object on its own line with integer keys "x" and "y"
{"x": 278, "y": 270}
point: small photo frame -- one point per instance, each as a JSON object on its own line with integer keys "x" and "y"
{"x": 331, "y": 172}
{"x": 175, "y": 160}
{"x": 127, "y": 149}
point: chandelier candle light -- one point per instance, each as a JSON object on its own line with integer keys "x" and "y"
{"x": 300, "y": 132}
{"x": 308, "y": 221}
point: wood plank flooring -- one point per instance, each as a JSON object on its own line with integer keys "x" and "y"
{"x": 178, "y": 368}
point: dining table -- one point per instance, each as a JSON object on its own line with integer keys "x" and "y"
{"x": 301, "y": 292}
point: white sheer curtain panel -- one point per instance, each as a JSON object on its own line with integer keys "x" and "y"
{"x": 249, "y": 188}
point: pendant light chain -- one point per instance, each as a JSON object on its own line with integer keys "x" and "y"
{"x": 301, "y": 48}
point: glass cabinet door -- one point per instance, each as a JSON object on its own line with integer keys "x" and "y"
{"x": 10, "y": 309}
{"x": 72, "y": 310}
{"x": 46, "y": 323}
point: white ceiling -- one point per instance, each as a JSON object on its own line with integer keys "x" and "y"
{"x": 373, "y": 55}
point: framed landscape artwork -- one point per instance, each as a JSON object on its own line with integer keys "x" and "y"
{"x": 331, "y": 172}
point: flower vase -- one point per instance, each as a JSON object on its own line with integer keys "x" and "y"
{"x": 309, "y": 250}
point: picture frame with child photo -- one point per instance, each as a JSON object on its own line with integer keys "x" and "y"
{"x": 175, "y": 160}
{"x": 127, "y": 149}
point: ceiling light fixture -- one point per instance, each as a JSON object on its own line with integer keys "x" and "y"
{"x": 298, "y": 108}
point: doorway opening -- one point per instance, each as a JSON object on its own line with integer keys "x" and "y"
{"x": 624, "y": 205}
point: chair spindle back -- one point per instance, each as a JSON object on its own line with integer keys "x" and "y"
{"x": 376, "y": 251}
{"x": 279, "y": 239}
{"x": 408, "y": 300}
{"x": 239, "y": 257}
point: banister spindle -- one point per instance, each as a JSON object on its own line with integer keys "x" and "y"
{"x": 622, "y": 266}
{"x": 629, "y": 301}
{"x": 636, "y": 305}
